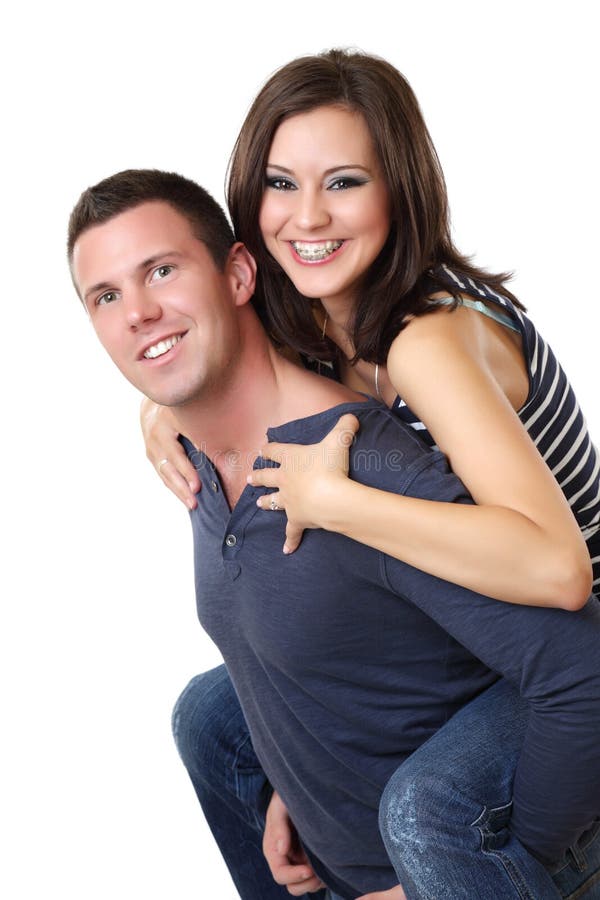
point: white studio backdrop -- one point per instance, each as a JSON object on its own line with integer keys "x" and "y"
{"x": 99, "y": 629}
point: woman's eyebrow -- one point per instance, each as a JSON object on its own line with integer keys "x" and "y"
{"x": 326, "y": 172}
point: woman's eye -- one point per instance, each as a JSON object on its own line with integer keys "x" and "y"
{"x": 108, "y": 297}
{"x": 281, "y": 184}
{"x": 161, "y": 272}
{"x": 343, "y": 183}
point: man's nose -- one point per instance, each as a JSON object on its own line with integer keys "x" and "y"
{"x": 141, "y": 306}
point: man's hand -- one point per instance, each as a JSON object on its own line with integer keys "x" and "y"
{"x": 284, "y": 853}
{"x": 395, "y": 893}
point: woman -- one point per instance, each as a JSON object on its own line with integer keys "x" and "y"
{"x": 476, "y": 374}
{"x": 336, "y": 189}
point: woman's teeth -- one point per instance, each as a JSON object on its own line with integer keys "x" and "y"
{"x": 162, "y": 347}
{"x": 312, "y": 251}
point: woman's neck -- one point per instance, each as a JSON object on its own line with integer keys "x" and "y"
{"x": 335, "y": 322}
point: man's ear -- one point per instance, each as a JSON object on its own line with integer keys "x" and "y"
{"x": 241, "y": 269}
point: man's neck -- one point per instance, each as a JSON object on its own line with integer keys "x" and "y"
{"x": 262, "y": 390}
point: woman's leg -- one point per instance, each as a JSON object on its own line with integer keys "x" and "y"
{"x": 445, "y": 813}
{"x": 214, "y": 744}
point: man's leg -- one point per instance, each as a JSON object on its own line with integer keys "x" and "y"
{"x": 445, "y": 812}
{"x": 214, "y": 743}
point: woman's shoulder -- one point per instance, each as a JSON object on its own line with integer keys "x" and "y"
{"x": 458, "y": 342}
{"x": 458, "y": 309}
{"x": 443, "y": 323}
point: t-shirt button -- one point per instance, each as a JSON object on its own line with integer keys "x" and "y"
{"x": 231, "y": 540}
{"x": 214, "y": 486}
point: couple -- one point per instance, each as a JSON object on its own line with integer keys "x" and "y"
{"x": 338, "y": 693}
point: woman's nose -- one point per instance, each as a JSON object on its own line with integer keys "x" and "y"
{"x": 312, "y": 210}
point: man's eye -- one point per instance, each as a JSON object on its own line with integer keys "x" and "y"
{"x": 281, "y": 184}
{"x": 108, "y": 297}
{"x": 161, "y": 272}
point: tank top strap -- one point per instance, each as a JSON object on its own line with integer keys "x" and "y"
{"x": 494, "y": 314}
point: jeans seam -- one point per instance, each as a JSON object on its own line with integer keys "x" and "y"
{"x": 512, "y": 871}
{"x": 237, "y": 770}
{"x": 584, "y": 888}
{"x": 489, "y": 811}
{"x": 594, "y": 834}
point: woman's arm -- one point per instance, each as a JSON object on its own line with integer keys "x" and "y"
{"x": 166, "y": 453}
{"x": 521, "y": 542}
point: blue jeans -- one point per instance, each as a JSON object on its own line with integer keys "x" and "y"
{"x": 443, "y": 815}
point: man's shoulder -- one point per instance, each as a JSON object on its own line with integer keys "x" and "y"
{"x": 389, "y": 454}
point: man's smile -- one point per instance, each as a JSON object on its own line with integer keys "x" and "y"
{"x": 162, "y": 346}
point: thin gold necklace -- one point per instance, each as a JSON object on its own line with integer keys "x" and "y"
{"x": 377, "y": 391}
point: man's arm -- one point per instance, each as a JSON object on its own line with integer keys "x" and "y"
{"x": 551, "y": 656}
{"x": 284, "y": 853}
{"x": 288, "y": 862}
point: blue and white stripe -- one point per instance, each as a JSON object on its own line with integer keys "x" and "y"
{"x": 550, "y": 414}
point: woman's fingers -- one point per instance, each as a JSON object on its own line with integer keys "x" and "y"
{"x": 343, "y": 432}
{"x": 273, "y": 501}
{"x": 293, "y": 537}
{"x": 264, "y": 478}
{"x": 166, "y": 454}
{"x": 179, "y": 475}
{"x": 273, "y": 451}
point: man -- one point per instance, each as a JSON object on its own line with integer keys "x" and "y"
{"x": 344, "y": 660}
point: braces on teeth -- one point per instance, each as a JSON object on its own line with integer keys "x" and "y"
{"x": 316, "y": 251}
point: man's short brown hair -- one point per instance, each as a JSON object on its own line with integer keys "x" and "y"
{"x": 132, "y": 187}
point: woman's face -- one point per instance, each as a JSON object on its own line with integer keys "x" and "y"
{"x": 325, "y": 212}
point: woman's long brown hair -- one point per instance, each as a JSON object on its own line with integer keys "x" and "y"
{"x": 404, "y": 274}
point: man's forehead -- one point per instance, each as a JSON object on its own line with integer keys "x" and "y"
{"x": 125, "y": 241}
{"x": 139, "y": 223}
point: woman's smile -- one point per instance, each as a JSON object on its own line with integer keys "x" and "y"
{"x": 325, "y": 213}
{"x": 315, "y": 252}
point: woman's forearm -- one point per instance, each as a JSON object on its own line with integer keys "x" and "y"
{"x": 493, "y": 550}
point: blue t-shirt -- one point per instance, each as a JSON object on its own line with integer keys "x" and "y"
{"x": 345, "y": 660}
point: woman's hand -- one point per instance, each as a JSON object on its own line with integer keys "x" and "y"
{"x": 284, "y": 853}
{"x": 166, "y": 453}
{"x": 307, "y": 479}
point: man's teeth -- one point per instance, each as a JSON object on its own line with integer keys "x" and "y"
{"x": 314, "y": 251}
{"x": 162, "y": 347}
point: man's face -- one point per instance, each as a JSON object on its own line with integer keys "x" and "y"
{"x": 161, "y": 308}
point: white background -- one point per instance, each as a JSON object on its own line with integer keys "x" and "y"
{"x": 99, "y": 632}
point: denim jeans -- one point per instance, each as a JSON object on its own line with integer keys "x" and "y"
{"x": 443, "y": 815}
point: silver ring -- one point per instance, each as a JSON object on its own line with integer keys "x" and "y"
{"x": 274, "y": 505}
{"x": 161, "y": 464}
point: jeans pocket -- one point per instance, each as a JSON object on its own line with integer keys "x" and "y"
{"x": 525, "y": 877}
{"x": 579, "y": 872}
{"x": 492, "y": 825}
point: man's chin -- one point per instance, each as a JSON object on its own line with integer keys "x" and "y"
{"x": 174, "y": 399}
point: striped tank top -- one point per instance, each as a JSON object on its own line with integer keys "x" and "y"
{"x": 550, "y": 414}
